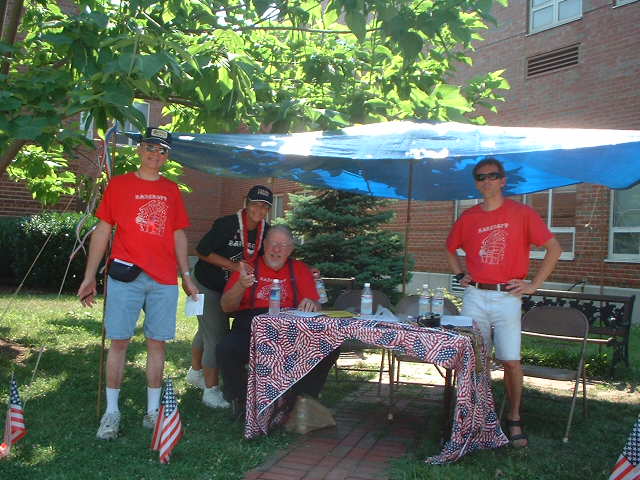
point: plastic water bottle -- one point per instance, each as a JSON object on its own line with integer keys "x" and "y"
{"x": 366, "y": 300}
{"x": 437, "y": 305}
{"x": 274, "y": 297}
{"x": 424, "y": 302}
{"x": 322, "y": 292}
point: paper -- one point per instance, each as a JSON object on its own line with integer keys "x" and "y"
{"x": 194, "y": 307}
{"x": 456, "y": 321}
{"x": 300, "y": 313}
{"x": 338, "y": 314}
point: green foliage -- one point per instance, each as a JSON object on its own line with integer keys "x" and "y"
{"x": 8, "y": 235}
{"x": 30, "y": 236}
{"x": 343, "y": 237}
{"x": 597, "y": 361}
{"x": 283, "y": 67}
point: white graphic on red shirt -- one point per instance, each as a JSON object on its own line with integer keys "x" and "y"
{"x": 493, "y": 247}
{"x": 152, "y": 217}
{"x": 263, "y": 291}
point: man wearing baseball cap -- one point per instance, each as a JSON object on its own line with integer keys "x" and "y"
{"x": 233, "y": 241}
{"x": 149, "y": 250}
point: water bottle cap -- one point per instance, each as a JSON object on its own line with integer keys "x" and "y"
{"x": 425, "y": 286}
{"x": 276, "y": 281}
{"x": 367, "y": 285}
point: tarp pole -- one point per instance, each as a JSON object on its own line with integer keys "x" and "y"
{"x": 406, "y": 229}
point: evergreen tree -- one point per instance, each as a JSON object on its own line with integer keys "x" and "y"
{"x": 343, "y": 237}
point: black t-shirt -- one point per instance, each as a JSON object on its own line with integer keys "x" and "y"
{"x": 223, "y": 239}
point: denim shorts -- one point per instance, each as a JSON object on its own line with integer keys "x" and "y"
{"x": 125, "y": 300}
{"x": 498, "y": 315}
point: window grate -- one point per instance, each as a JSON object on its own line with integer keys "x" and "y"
{"x": 554, "y": 60}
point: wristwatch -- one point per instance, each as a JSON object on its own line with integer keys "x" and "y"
{"x": 459, "y": 276}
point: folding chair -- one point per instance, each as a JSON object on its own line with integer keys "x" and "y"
{"x": 559, "y": 324}
{"x": 354, "y": 349}
{"x": 409, "y": 306}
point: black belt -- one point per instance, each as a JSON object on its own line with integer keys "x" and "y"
{"x": 501, "y": 287}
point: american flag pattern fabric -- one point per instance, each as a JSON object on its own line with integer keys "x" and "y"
{"x": 168, "y": 430}
{"x": 14, "y": 427}
{"x": 628, "y": 465}
{"x": 285, "y": 348}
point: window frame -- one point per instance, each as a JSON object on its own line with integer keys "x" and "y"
{"x": 619, "y": 257}
{"x": 555, "y": 22}
{"x": 278, "y": 203}
{"x": 564, "y": 255}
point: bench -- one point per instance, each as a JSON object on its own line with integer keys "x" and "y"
{"x": 609, "y": 317}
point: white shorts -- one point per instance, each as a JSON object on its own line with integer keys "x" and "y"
{"x": 499, "y": 311}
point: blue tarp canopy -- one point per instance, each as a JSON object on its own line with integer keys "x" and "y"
{"x": 375, "y": 159}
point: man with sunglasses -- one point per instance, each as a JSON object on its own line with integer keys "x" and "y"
{"x": 148, "y": 251}
{"x": 496, "y": 236}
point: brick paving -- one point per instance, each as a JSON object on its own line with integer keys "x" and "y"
{"x": 361, "y": 445}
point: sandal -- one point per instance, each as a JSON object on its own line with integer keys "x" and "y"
{"x": 516, "y": 440}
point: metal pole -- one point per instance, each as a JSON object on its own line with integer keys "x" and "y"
{"x": 406, "y": 229}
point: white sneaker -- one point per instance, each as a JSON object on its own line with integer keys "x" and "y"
{"x": 149, "y": 420}
{"x": 213, "y": 398}
{"x": 196, "y": 378}
{"x": 109, "y": 426}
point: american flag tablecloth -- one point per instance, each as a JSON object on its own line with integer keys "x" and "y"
{"x": 285, "y": 348}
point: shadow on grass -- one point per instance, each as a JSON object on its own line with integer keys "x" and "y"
{"x": 594, "y": 443}
{"x": 61, "y": 417}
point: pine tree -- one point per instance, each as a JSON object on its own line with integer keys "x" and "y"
{"x": 343, "y": 237}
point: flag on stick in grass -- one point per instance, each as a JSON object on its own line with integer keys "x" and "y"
{"x": 168, "y": 430}
{"x": 14, "y": 427}
{"x": 628, "y": 465}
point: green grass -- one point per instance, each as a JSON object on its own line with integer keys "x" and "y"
{"x": 60, "y": 408}
{"x": 62, "y": 419}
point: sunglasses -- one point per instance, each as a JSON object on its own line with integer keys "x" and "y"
{"x": 154, "y": 148}
{"x": 481, "y": 177}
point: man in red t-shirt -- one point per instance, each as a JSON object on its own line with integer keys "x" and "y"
{"x": 247, "y": 295}
{"x": 148, "y": 249}
{"x": 495, "y": 236}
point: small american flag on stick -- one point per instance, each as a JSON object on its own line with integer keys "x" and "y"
{"x": 628, "y": 465}
{"x": 14, "y": 427}
{"x": 168, "y": 430}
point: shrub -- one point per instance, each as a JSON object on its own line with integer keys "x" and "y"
{"x": 8, "y": 234}
{"x": 48, "y": 271}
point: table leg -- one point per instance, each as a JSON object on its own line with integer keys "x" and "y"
{"x": 447, "y": 417}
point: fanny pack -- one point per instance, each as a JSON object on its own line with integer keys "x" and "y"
{"x": 123, "y": 271}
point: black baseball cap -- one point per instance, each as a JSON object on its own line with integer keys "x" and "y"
{"x": 157, "y": 136}
{"x": 260, "y": 193}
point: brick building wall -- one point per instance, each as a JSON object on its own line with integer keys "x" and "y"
{"x": 601, "y": 91}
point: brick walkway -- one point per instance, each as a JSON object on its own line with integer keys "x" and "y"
{"x": 360, "y": 446}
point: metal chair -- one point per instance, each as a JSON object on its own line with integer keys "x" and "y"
{"x": 353, "y": 349}
{"x": 409, "y": 306}
{"x": 559, "y": 324}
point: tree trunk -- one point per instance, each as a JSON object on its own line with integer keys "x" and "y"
{"x": 10, "y": 30}
{"x": 10, "y": 153}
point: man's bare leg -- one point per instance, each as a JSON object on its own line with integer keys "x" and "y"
{"x": 513, "y": 387}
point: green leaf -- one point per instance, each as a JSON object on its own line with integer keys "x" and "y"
{"x": 150, "y": 64}
{"x": 357, "y": 23}
{"x": 118, "y": 94}
{"x": 29, "y": 127}
{"x": 411, "y": 44}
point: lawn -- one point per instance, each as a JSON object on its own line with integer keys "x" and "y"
{"x": 60, "y": 408}
{"x": 62, "y": 419}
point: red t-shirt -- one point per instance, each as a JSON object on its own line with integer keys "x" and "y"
{"x": 496, "y": 243}
{"x": 304, "y": 280}
{"x": 146, "y": 214}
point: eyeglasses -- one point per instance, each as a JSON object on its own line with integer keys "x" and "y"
{"x": 280, "y": 244}
{"x": 481, "y": 177}
{"x": 154, "y": 148}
